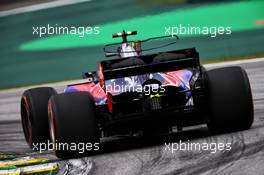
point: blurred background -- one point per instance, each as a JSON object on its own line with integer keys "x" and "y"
{"x": 27, "y": 59}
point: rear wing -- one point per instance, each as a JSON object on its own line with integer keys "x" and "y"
{"x": 159, "y": 62}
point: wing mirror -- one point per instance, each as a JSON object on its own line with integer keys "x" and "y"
{"x": 91, "y": 76}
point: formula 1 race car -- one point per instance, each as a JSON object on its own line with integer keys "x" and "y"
{"x": 137, "y": 92}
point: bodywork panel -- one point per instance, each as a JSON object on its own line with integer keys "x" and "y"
{"x": 178, "y": 78}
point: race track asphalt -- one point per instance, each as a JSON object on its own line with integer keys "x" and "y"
{"x": 126, "y": 155}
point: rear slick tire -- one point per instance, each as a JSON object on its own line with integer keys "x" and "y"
{"x": 230, "y": 100}
{"x": 73, "y": 122}
{"x": 34, "y": 115}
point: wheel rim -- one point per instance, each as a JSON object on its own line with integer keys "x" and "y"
{"x": 51, "y": 123}
{"x": 26, "y": 122}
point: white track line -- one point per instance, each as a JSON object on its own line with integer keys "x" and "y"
{"x": 228, "y": 63}
{"x": 41, "y": 6}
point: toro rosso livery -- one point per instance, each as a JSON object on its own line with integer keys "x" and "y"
{"x": 138, "y": 93}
